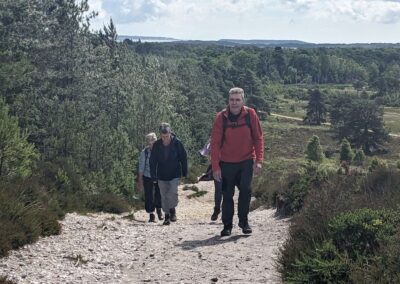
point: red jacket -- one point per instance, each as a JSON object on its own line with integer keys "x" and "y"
{"x": 241, "y": 143}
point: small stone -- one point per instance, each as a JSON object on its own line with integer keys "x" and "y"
{"x": 215, "y": 279}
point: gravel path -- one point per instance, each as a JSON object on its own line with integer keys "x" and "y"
{"x": 108, "y": 248}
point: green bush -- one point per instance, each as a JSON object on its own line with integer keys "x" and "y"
{"x": 108, "y": 202}
{"x": 359, "y": 247}
{"x": 346, "y": 153}
{"x": 377, "y": 163}
{"x": 359, "y": 157}
{"x": 25, "y": 215}
{"x": 194, "y": 172}
{"x": 296, "y": 186}
{"x": 363, "y": 231}
{"x": 323, "y": 265}
{"x": 314, "y": 150}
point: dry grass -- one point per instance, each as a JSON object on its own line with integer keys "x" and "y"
{"x": 392, "y": 119}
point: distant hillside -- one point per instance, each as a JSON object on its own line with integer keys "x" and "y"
{"x": 259, "y": 42}
{"x": 146, "y": 38}
{"x": 300, "y": 44}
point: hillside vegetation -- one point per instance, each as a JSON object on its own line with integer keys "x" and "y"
{"x": 345, "y": 214}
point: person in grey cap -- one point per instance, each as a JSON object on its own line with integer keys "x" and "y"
{"x": 168, "y": 163}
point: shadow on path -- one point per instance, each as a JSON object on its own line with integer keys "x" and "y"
{"x": 216, "y": 240}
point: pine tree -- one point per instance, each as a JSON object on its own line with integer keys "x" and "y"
{"x": 316, "y": 108}
{"x": 314, "y": 150}
{"x": 17, "y": 156}
{"x": 359, "y": 157}
{"x": 346, "y": 153}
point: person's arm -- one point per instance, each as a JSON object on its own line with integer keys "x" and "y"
{"x": 153, "y": 162}
{"x": 183, "y": 159}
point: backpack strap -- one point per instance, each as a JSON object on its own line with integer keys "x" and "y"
{"x": 233, "y": 125}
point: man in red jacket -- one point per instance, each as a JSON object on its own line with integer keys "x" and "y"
{"x": 237, "y": 151}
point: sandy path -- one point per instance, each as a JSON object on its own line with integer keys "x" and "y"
{"x": 107, "y": 248}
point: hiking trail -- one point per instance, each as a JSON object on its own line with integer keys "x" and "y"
{"x": 110, "y": 248}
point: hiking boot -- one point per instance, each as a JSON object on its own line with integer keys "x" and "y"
{"x": 152, "y": 218}
{"x": 167, "y": 220}
{"x": 215, "y": 214}
{"x": 226, "y": 231}
{"x": 244, "y": 225}
{"x": 172, "y": 211}
{"x": 159, "y": 214}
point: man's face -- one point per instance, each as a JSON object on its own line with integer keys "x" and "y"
{"x": 166, "y": 138}
{"x": 235, "y": 103}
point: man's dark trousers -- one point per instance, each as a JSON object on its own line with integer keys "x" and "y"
{"x": 240, "y": 175}
{"x": 152, "y": 195}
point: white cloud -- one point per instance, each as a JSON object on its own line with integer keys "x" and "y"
{"x": 135, "y": 11}
{"x": 310, "y": 20}
{"x": 379, "y": 11}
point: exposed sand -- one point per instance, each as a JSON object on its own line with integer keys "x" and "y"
{"x": 107, "y": 248}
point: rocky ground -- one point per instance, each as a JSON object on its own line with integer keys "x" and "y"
{"x": 108, "y": 248}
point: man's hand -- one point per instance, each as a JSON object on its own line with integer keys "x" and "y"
{"x": 217, "y": 175}
{"x": 257, "y": 168}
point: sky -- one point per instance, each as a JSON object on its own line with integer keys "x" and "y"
{"x": 316, "y": 21}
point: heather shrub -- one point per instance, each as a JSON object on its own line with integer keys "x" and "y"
{"x": 364, "y": 231}
{"x": 377, "y": 163}
{"x": 295, "y": 186}
{"x": 323, "y": 265}
{"x": 346, "y": 232}
{"x": 25, "y": 215}
{"x": 107, "y": 202}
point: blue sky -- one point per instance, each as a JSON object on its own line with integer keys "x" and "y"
{"x": 318, "y": 21}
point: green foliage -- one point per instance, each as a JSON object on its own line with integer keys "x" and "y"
{"x": 107, "y": 202}
{"x": 377, "y": 163}
{"x": 362, "y": 232}
{"x": 17, "y": 156}
{"x": 348, "y": 230}
{"x": 194, "y": 172}
{"x": 360, "y": 121}
{"x": 346, "y": 153}
{"x": 359, "y": 157}
{"x": 27, "y": 213}
{"x": 352, "y": 241}
{"x": 295, "y": 187}
{"x": 314, "y": 150}
{"x": 316, "y": 108}
{"x": 324, "y": 265}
